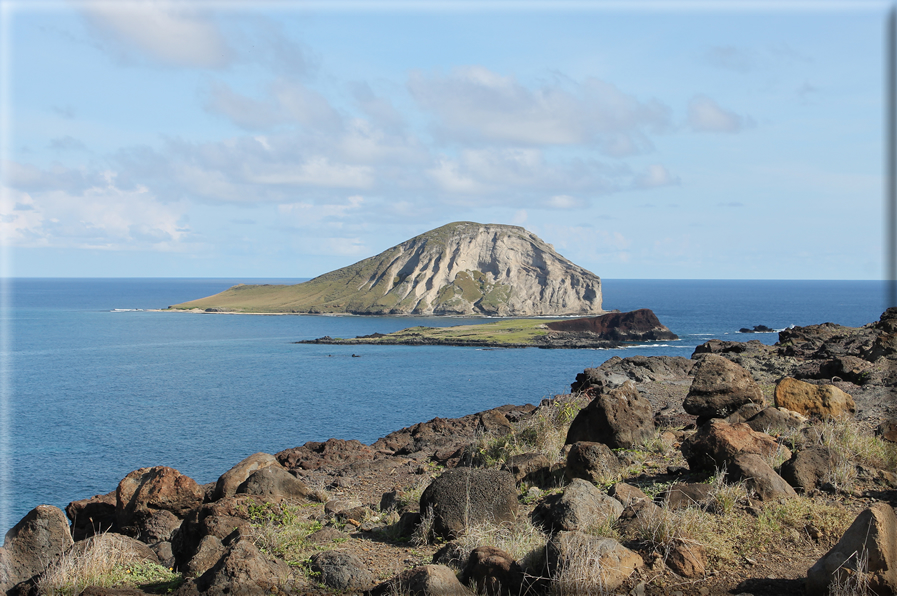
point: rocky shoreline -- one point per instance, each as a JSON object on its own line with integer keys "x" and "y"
{"x": 610, "y": 330}
{"x": 745, "y": 469}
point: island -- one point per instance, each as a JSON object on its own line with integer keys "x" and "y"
{"x": 606, "y": 331}
{"x": 459, "y": 269}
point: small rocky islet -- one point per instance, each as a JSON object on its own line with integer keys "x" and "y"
{"x": 745, "y": 469}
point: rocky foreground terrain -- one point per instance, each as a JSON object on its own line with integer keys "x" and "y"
{"x": 746, "y": 469}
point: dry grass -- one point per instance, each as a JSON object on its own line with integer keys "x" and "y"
{"x": 545, "y": 432}
{"x": 101, "y": 562}
{"x": 520, "y": 538}
{"x": 584, "y": 574}
{"x": 281, "y": 530}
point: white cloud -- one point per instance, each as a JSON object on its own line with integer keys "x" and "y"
{"x": 655, "y": 176}
{"x": 317, "y": 171}
{"x": 705, "y": 115}
{"x": 565, "y": 202}
{"x": 102, "y": 217}
{"x": 170, "y": 33}
{"x": 475, "y": 105}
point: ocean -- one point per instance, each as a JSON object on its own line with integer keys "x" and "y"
{"x": 96, "y": 386}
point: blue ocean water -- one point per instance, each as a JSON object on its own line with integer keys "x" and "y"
{"x": 93, "y": 392}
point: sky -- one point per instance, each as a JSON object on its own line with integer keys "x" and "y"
{"x": 703, "y": 140}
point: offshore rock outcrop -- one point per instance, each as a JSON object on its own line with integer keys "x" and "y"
{"x": 462, "y": 268}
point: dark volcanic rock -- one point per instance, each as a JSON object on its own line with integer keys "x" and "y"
{"x": 638, "y": 325}
{"x": 92, "y": 516}
{"x": 719, "y": 388}
{"x": 426, "y": 580}
{"x": 759, "y": 477}
{"x": 807, "y": 469}
{"x": 463, "y": 496}
{"x": 493, "y": 571}
{"x": 582, "y": 506}
{"x": 717, "y": 443}
{"x": 341, "y": 571}
{"x": 146, "y": 491}
{"x": 274, "y": 482}
{"x": 591, "y": 461}
{"x": 619, "y": 418}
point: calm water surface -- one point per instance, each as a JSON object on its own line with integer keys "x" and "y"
{"x": 92, "y": 393}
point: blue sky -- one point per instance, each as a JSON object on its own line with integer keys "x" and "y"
{"x": 287, "y": 139}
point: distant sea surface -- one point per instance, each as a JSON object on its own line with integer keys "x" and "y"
{"x": 94, "y": 389}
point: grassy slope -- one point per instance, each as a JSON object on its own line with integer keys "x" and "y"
{"x": 333, "y": 292}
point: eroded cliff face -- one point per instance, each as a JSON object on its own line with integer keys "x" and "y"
{"x": 462, "y": 268}
{"x": 469, "y": 268}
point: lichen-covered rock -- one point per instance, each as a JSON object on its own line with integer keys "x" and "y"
{"x": 719, "y": 388}
{"x": 619, "y": 418}
{"x": 824, "y": 401}
{"x": 464, "y": 496}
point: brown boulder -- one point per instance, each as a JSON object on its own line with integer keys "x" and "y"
{"x": 682, "y": 495}
{"x": 716, "y": 443}
{"x": 94, "y": 515}
{"x": 626, "y": 493}
{"x": 807, "y": 469}
{"x": 231, "y": 480}
{"x": 426, "y": 580}
{"x": 619, "y": 418}
{"x": 579, "y": 562}
{"x": 594, "y": 462}
{"x": 243, "y": 569}
{"x": 38, "y": 538}
{"x": 759, "y": 477}
{"x": 208, "y": 553}
{"x": 532, "y": 468}
{"x": 869, "y": 545}
{"x": 687, "y": 559}
{"x": 341, "y": 570}
{"x": 147, "y": 490}
{"x": 581, "y": 506}
{"x": 719, "y": 388}
{"x": 493, "y": 571}
{"x": 887, "y": 430}
{"x": 273, "y": 482}
{"x": 824, "y": 401}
